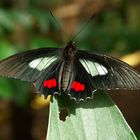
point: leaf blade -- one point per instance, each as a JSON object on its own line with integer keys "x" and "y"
{"x": 97, "y": 119}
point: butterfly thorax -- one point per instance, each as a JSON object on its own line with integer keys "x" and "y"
{"x": 65, "y": 76}
{"x": 69, "y": 51}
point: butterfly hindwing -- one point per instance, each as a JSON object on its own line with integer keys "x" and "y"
{"x": 108, "y": 72}
{"x": 47, "y": 82}
{"x": 82, "y": 86}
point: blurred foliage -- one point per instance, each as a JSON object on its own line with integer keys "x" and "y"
{"x": 110, "y": 35}
{"x": 28, "y": 24}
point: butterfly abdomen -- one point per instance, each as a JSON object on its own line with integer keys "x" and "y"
{"x": 66, "y": 74}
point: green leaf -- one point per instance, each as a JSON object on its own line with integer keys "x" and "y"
{"x": 11, "y": 89}
{"x": 97, "y": 119}
{"x": 6, "y": 49}
{"x": 6, "y": 21}
{"x": 40, "y": 43}
{"x": 5, "y": 88}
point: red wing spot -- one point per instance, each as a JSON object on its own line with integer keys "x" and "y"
{"x": 78, "y": 86}
{"x": 73, "y": 85}
{"x": 54, "y": 83}
{"x": 51, "y": 83}
{"x": 82, "y": 87}
{"x": 45, "y": 84}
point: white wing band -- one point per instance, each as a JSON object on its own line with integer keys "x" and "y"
{"x": 42, "y": 63}
{"x": 93, "y": 68}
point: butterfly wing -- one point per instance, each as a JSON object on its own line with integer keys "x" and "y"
{"x": 82, "y": 86}
{"x": 28, "y": 65}
{"x": 91, "y": 72}
{"x": 108, "y": 72}
{"x": 38, "y": 66}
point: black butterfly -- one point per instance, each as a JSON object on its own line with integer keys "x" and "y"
{"x": 70, "y": 71}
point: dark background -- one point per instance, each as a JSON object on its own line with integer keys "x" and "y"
{"x": 28, "y": 24}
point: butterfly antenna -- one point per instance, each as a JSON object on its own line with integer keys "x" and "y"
{"x": 84, "y": 26}
{"x": 56, "y": 21}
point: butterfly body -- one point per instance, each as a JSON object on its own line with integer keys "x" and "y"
{"x": 66, "y": 70}
{"x": 70, "y": 71}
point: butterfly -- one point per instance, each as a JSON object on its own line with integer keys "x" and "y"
{"x": 70, "y": 71}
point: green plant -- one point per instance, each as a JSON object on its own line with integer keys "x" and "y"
{"x": 96, "y": 119}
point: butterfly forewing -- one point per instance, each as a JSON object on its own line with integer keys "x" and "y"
{"x": 108, "y": 72}
{"x": 29, "y": 65}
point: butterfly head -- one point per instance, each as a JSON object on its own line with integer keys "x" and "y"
{"x": 70, "y": 50}
{"x": 71, "y": 44}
